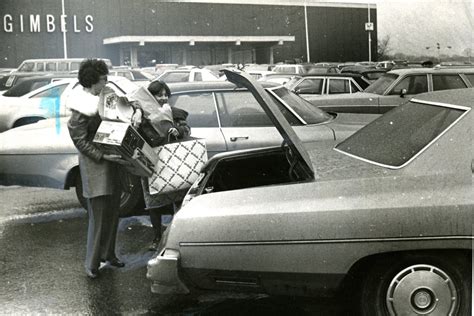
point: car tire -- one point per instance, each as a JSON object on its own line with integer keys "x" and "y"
{"x": 131, "y": 203}
{"x": 417, "y": 285}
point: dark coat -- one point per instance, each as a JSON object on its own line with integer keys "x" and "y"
{"x": 99, "y": 177}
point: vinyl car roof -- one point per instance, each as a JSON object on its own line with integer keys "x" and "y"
{"x": 403, "y": 71}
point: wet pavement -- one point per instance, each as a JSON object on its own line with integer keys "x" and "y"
{"x": 42, "y": 242}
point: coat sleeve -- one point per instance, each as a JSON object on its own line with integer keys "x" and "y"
{"x": 77, "y": 126}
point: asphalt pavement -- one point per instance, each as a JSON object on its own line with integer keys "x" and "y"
{"x": 42, "y": 242}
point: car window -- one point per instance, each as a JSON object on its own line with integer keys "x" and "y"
{"x": 39, "y": 67}
{"x": 396, "y": 137}
{"x": 354, "y": 87}
{"x": 470, "y": 77}
{"x": 200, "y": 106}
{"x": 62, "y": 66}
{"x": 27, "y": 67}
{"x": 241, "y": 109}
{"x": 125, "y": 74}
{"x": 53, "y": 92}
{"x": 310, "y": 86}
{"x": 170, "y": 77}
{"x": 51, "y": 66}
{"x": 197, "y": 76}
{"x": 413, "y": 85}
{"x": 381, "y": 85}
{"x": 308, "y": 112}
{"x": 336, "y": 86}
{"x": 75, "y": 66}
{"x": 445, "y": 82}
{"x": 138, "y": 75}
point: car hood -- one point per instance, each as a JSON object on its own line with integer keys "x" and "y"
{"x": 46, "y": 136}
{"x": 271, "y": 109}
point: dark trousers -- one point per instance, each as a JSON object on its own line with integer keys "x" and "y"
{"x": 155, "y": 218}
{"x": 103, "y": 223}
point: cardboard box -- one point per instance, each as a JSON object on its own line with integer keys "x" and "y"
{"x": 122, "y": 139}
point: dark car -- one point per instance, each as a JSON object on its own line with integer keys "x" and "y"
{"x": 327, "y": 84}
{"x": 396, "y": 87}
{"x": 26, "y": 84}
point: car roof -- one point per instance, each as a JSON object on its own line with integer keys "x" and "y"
{"x": 346, "y": 74}
{"x": 178, "y": 87}
{"x": 404, "y": 71}
{"x": 459, "y": 97}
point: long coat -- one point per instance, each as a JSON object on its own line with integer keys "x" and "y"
{"x": 99, "y": 176}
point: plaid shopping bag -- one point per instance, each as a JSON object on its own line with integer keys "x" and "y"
{"x": 178, "y": 166}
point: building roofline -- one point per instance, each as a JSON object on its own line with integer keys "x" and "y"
{"x": 309, "y": 3}
{"x": 196, "y": 39}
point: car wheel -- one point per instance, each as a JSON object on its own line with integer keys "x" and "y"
{"x": 418, "y": 285}
{"x": 130, "y": 202}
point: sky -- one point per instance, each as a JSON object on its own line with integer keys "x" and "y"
{"x": 413, "y": 25}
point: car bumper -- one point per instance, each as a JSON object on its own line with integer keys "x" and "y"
{"x": 163, "y": 271}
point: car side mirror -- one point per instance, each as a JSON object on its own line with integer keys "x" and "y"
{"x": 403, "y": 92}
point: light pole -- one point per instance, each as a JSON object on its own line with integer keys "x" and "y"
{"x": 438, "y": 48}
{"x": 306, "y": 31}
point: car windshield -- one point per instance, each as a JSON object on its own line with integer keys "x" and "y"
{"x": 24, "y": 87}
{"x": 291, "y": 83}
{"x": 302, "y": 108}
{"x": 395, "y": 138}
{"x": 380, "y": 85}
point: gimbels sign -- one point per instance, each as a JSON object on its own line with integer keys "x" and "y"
{"x": 37, "y": 23}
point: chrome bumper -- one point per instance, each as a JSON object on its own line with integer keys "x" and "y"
{"x": 163, "y": 271}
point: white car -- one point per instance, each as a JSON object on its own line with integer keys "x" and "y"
{"x": 187, "y": 75}
{"x": 46, "y": 102}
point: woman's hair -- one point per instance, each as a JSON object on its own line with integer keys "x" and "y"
{"x": 156, "y": 86}
{"x": 90, "y": 71}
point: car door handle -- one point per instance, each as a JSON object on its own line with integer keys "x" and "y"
{"x": 234, "y": 139}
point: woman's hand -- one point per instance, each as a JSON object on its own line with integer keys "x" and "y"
{"x": 137, "y": 118}
{"x": 173, "y": 131}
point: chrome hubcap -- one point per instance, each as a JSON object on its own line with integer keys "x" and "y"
{"x": 420, "y": 290}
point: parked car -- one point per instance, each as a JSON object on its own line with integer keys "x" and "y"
{"x": 187, "y": 75}
{"x": 383, "y": 220}
{"x": 136, "y": 75}
{"x": 279, "y": 78}
{"x": 228, "y": 118}
{"x": 54, "y": 64}
{"x": 289, "y": 69}
{"x": 45, "y": 102}
{"x": 29, "y": 83}
{"x": 396, "y": 87}
{"x": 317, "y": 85}
{"x": 371, "y": 74}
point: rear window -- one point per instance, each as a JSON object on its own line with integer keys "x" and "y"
{"x": 398, "y": 136}
{"x": 24, "y": 87}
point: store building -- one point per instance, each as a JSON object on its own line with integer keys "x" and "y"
{"x": 144, "y": 32}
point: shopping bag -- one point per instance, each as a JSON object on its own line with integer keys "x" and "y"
{"x": 179, "y": 165}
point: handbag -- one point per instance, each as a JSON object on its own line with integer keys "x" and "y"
{"x": 179, "y": 165}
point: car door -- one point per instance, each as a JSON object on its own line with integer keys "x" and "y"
{"x": 244, "y": 122}
{"x": 414, "y": 84}
{"x": 202, "y": 118}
